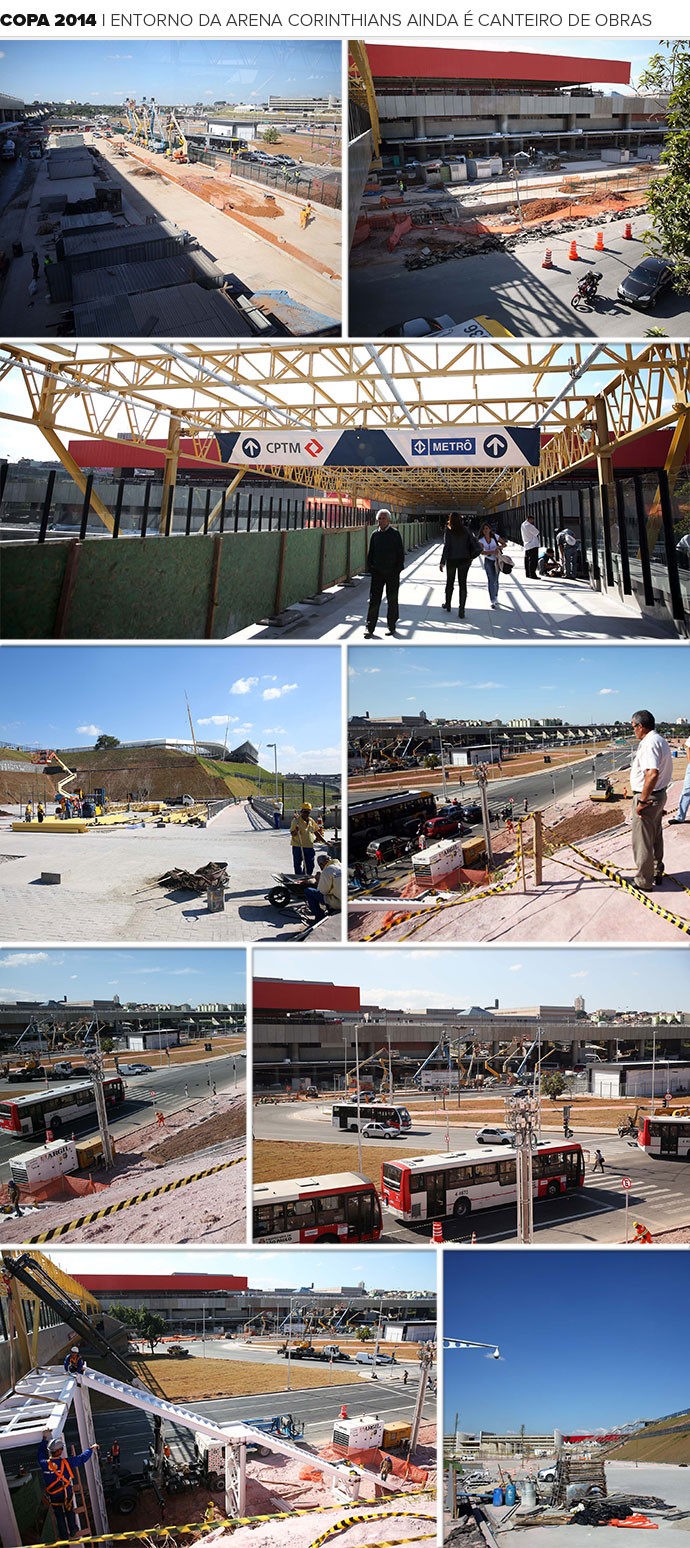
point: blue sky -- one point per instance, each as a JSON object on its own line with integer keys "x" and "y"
{"x": 174, "y": 72}
{"x": 174, "y": 976}
{"x": 585, "y": 684}
{"x": 378, "y": 1270}
{"x": 65, "y": 697}
{"x": 580, "y": 1336}
{"x": 607, "y": 979}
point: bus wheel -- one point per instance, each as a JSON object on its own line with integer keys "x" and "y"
{"x": 56, "y": 1124}
{"x": 461, "y": 1207}
{"x": 552, "y": 1190}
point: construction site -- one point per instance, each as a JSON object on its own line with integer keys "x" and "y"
{"x": 141, "y": 229}
{"x": 166, "y": 839}
{"x": 515, "y": 178}
{"x": 492, "y": 829}
{"x": 347, "y": 1093}
{"x": 594, "y": 439}
{"x": 186, "y": 1440}
{"x": 98, "y": 1146}
{"x": 585, "y": 1481}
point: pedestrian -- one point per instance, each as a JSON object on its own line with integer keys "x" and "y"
{"x": 385, "y": 1468}
{"x": 530, "y": 543}
{"x": 40, "y": 812}
{"x": 567, "y": 548}
{"x": 186, "y": 1089}
{"x": 13, "y": 1196}
{"x": 525, "y": 806}
{"x": 115, "y": 1454}
{"x": 406, "y": 1376}
{"x": 306, "y": 215}
{"x": 160, "y": 1119}
{"x": 35, "y": 264}
{"x": 421, "y": 841}
{"x": 58, "y": 1478}
{"x": 491, "y": 547}
{"x": 684, "y": 802}
{"x": 641, "y": 1233}
{"x": 326, "y": 897}
{"x": 28, "y": 812}
{"x": 651, "y": 773}
{"x": 598, "y": 1162}
{"x": 304, "y": 831}
{"x": 385, "y": 562}
{"x": 460, "y": 547}
{"x": 213, "y": 1088}
{"x": 548, "y": 567}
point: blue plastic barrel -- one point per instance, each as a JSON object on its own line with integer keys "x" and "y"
{"x": 498, "y": 1497}
{"x": 511, "y": 1494}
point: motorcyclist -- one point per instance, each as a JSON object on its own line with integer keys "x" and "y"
{"x": 589, "y": 284}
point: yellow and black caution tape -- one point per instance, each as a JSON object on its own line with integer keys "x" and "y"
{"x": 171, "y": 1532}
{"x": 614, "y": 876}
{"x": 421, "y": 915}
{"x": 54, "y": 1232}
{"x": 358, "y": 1516}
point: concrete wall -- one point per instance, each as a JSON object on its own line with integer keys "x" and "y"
{"x": 176, "y": 588}
{"x": 359, "y": 161}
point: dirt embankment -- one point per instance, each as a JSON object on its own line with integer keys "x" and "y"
{"x": 137, "y": 773}
{"x": 668, "y": 1441}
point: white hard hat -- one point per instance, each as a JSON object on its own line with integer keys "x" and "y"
{"x": 74, "y": 1349}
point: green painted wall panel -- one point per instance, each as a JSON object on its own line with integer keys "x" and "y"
{"x": 301, "y": 572}
{"x": 30, "y": 582}
{"x": 247, "y": 587}
{"x": 151, "y": 589}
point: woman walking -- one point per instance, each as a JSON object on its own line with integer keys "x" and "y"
{"x": 460, "y": 547}
{"x": 492, "y": 547}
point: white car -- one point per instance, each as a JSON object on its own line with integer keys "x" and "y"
{"x": 491, "y": 1135}
{"x": 136, "y": 1069}
{"x": 379, "y": 1131}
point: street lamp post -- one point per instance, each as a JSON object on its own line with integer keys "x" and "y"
{"x": 359, "y": 1102}
{"x": 275, "y": 768}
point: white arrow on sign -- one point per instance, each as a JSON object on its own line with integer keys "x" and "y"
{"x": 626, "y": 1182}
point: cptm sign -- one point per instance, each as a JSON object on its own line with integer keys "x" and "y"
{"x": 480, "y": 446}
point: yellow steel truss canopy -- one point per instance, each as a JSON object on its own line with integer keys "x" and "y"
{"x": 588, "y": 400}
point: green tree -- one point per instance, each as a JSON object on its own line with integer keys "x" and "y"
{"x": 553, "y": 1085}
{"x": 104, "y": 742}
{"x": 667, "y": 200}
{"x": 271, "y": 136}
{"x": 364, "y": 1334}
{"x": 144, "y": 1323}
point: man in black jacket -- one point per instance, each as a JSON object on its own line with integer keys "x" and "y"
{"x": 385, "y": 561}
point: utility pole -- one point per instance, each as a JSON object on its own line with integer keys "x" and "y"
{"x": 443, "y": 765}
{"x": 522, "y": 1118}
{"x": 482, "y": 777}
{"x": 426, "y": 1361}
{"x": 96, "y": 1074}
{"x": 359, "y": 1103}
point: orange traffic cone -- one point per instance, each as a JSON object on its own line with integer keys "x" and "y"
{"x": 548, "y": 260}
{"x": 437, "y": 1231}
{"x": 343, "y": 1411}
{"x": 573, "y": 254}
{"x": 473, "y": 1239}
{"x": 628, "y": 232}
{"x": 599, "y": 244}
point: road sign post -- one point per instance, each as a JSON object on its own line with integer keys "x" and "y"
{"x": 626, "y": 1185}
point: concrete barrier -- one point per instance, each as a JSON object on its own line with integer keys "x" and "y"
{"x": 175, "y": 588}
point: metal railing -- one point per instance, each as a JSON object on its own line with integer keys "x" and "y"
{"x": 303, "y": 182}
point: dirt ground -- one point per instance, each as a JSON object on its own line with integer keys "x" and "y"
{"x": 520, "y": 763}
{"x": 316, "y": 154}
{"x": 590, "y": 818}
{"x": 536, "y": 211}
{"x": 404, "y": 1522}
{"x": 283, "y": 1158}
{"x": 195, "y": 1379}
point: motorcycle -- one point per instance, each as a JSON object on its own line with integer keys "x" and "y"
{"x": 585, "y": 296}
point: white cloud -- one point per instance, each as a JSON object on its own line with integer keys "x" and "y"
{"x": 609, "y": 690}
{"x": 582, "y": 974}
{"x": 89, "y": 730}
{"x": 244, "y": 684}
{"x": 217, "y": 720}
{"x": 516, "y": 967}
{"x": 287, "y": 751}
{"x": 278, "y": 693}
{"x": 268, "y": 677}
{"x": 275, "y": 731}
{"x": 15, "y": 959}
{"x": 486, "y": 685}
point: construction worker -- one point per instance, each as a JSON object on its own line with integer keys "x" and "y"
{"x": 306, "y": 215}
{"x": 28, "y": 812}
{"x": 13, "y": 1196}
{"x": 326, "y": 897}
{"x": 74, "y": 1363}
{"x": 40, "y": 812}
{"x": 115, "y": 1454}
{"x": 641, "y": 1233}
{"x": 58, "y": 1477}
{"x": 385, "y": 1468}
{"x": 304, "y": 831}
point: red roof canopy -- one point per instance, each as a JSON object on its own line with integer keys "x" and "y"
{"x": 391, "y": 62}
{"x": 111, "y": 1284}
{"x": 280, "y": 994}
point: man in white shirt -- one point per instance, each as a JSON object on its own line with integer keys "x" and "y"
{"x": 530, "y": 542}
{"x": 651, "y": 773}
{"x": 326, "y": 896}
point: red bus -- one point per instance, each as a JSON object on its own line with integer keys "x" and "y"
{"x": 666, "y": 1137}
{"x": 338, "y": 1207}
{"x": 56, "y": 1107}
{"x": 435, "y": 1187}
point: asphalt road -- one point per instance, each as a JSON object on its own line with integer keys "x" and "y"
{"x": 547, "y": 784}
{"x": 516, "y": 291}
{"x": 318, "y": 1408}
{"x": 170, "y": 1085}
{"x": 660, "y": 1193}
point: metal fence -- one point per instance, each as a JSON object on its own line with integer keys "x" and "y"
{"x": 140, "y": 508}
{"x": 304, "y": 183}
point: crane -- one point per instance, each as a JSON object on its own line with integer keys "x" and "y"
{"x": 177, "y": 140}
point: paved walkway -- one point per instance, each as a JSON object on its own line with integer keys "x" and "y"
{"x": 572, "y": 904}
{"x": 109, "y": 893}
{"x": 538, "y": 610}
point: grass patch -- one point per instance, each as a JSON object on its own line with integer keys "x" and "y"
{"x": 199, "y": 1378}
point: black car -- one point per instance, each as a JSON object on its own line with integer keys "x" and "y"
{"x": 472, "y": 813}
{"x": 646, "y": 282}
